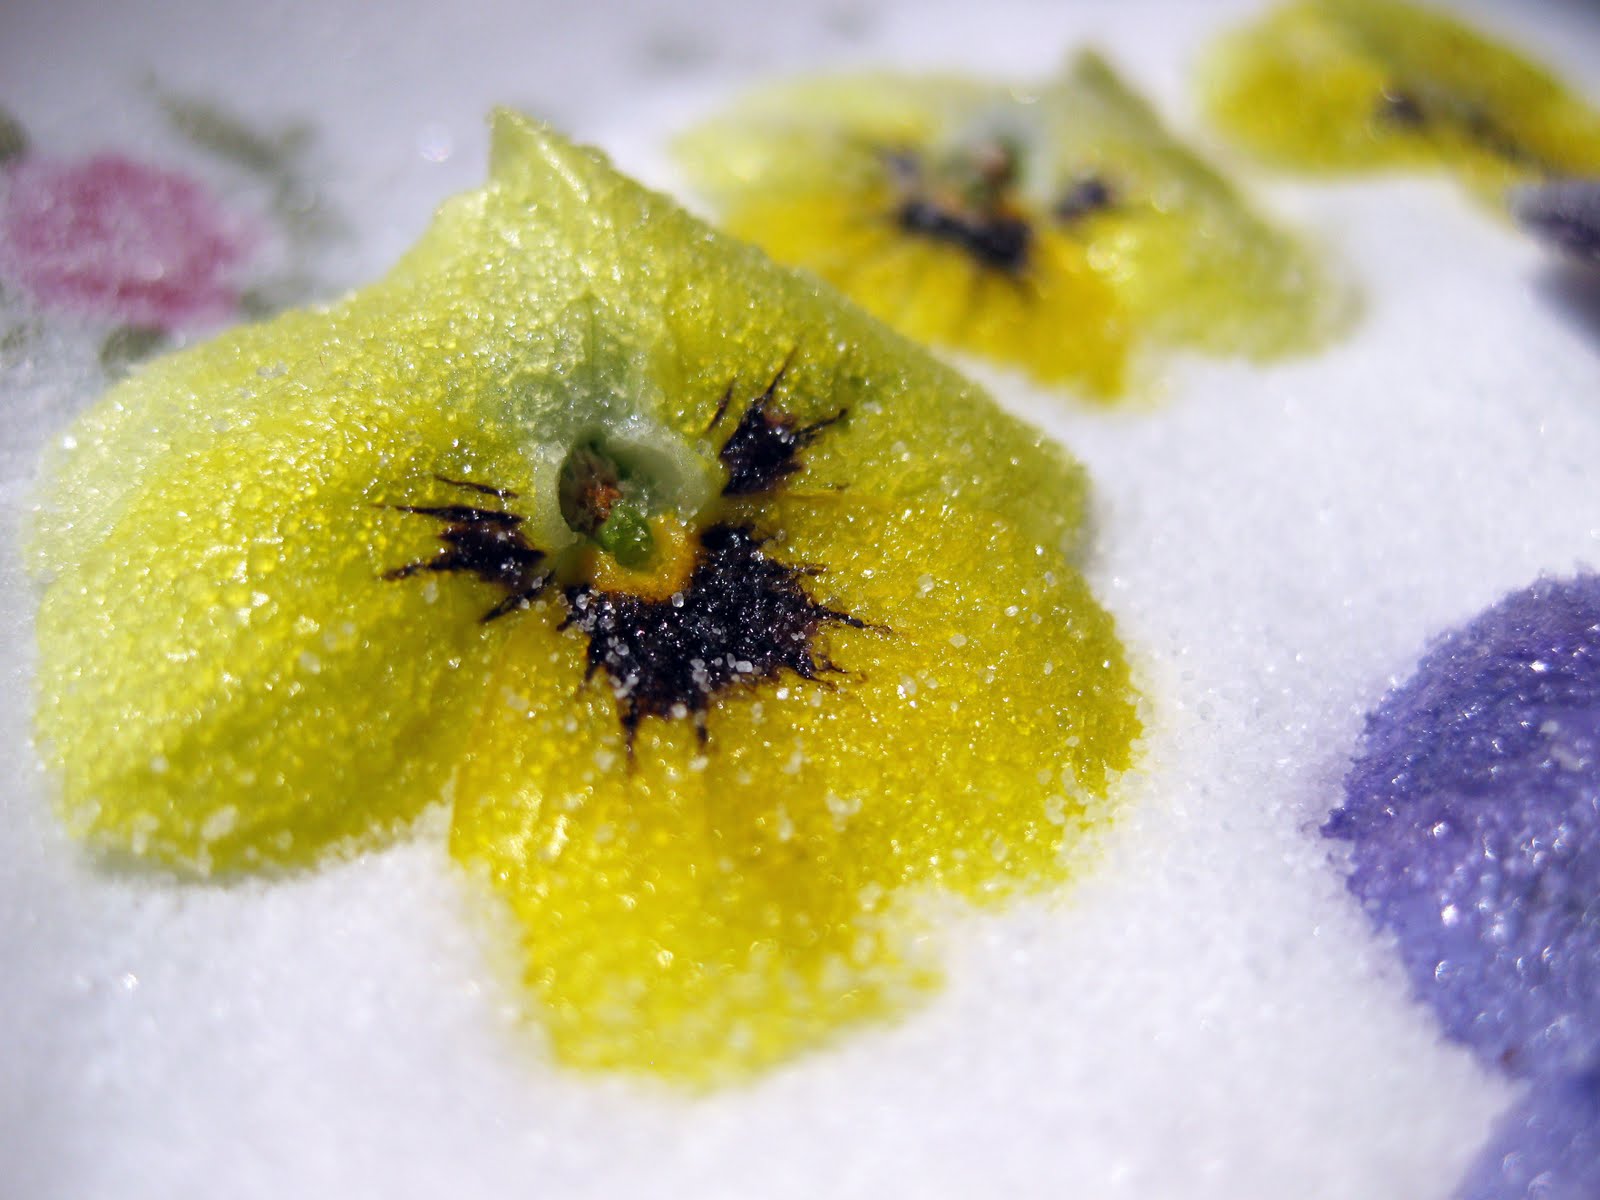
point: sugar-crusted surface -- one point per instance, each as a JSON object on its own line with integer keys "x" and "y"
{"x": 1548, "y": 1144}
{"x": 718, "y": 907}
{"x": 1474, "y": 843}
{"x": 235, "y": 666}
{"x": 705, "y": 807}
{"x": 1204, "y": 1015}
{"x": 1474, "y": 831}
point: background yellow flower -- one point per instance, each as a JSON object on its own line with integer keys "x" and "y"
{"x": 1338, "y": 85}
{"x": 1055, "y": 229}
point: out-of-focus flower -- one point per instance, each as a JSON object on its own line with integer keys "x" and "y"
{"x": 117, "y": 239}
{"x": 1054, "y": 228}
{"x": 1566, "y": 214}
{"x": 1337, "y": 85}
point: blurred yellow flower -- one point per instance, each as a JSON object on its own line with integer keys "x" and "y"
{"x": 1339, "y": 85}
{"x": 1055, "y": 230}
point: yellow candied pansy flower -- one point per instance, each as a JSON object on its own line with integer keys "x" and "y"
{"x": 1054, "y": 229}
{"x": 1339, "y": 85}
{"x": 728, "y": 622}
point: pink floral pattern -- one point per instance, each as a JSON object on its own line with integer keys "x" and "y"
{"x": 113, "y": 238}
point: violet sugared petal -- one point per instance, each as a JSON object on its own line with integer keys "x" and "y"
{"x": 1565, "y": 213}
{"x": 1473, "y": 814}
{"x": 1547, "y": 1146}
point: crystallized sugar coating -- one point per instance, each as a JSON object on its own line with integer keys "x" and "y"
{"x": 1203, "y": 1014}
{"x": 306, "y": 579}
{"x": 1473, "y": 813}
{"x": 1548, "y": 1146}
{"x": 718, "y": 905}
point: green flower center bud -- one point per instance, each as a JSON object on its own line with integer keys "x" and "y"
{"x": 980, "y": 173}
{"x": 626, "y": 536}
{"x": 603, "y": 500}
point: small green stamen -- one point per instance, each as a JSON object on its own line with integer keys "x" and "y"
{"x": 626, "y": 536}
{"x": 602, "y": 502}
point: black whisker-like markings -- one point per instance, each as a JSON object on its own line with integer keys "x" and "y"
{"x": 727, "y": 398}
{"x": 743, "y": 618}
{"x": 904, "y": 167}
{"x": 994, "y": 240}
{"x": 1412, "y": 110}
{"x": 464, "y": 514}
{"x": 1494, "y": 137}
{"x": 764, "y": 448}
{"x": 485, "y": 542}
{"x": 1083, "y": 197}
{"x": 481, "y": 488}
{"x": 1400, "y": 107}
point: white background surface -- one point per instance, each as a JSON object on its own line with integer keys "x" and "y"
{"x": 1203, "y": 1016}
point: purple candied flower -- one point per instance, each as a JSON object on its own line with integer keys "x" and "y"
{"x": 1565, "y": 213}
{"x": 1548, "y": 1146}
{"x": 1473, "y": 817}
{"x": 110, "y": 237}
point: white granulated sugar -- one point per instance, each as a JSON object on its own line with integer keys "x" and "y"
{"x": 1204, "y": 1015}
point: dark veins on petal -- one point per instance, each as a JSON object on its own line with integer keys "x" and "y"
{"x": 981, "y": 226}
{"x": 1400, "y": 108}
{"x": 1084, "y": 197}
{"x": 764, "y": 448}
{"x": 486, "y": 542}
{"x": 743, "y": 618}
{"x": 994, "y": 240}
{"x": 1413, "y": 110}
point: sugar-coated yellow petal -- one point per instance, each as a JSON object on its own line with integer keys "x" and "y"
{"x": 1062, "y": 321}
{"x": 1189, "y": 260}
{"x": 224, "y": 678}
{"x": 1052, "y": 230}
{"x": 711, "y": 907}
{"x": 482, "y": 322}
{"x": 307, "y": 579}
{"x": 1331, "y": 85}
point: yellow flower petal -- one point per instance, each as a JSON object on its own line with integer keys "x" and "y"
{"x": 224, "y": 678}
{"x": 1335, "y": 85}
{"x": 1062, "y": 321}
{"x": 709, "y": 908}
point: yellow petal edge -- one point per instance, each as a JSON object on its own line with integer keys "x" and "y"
{"x": 1349, "y": 85}
{"x": 231, "y": 675}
